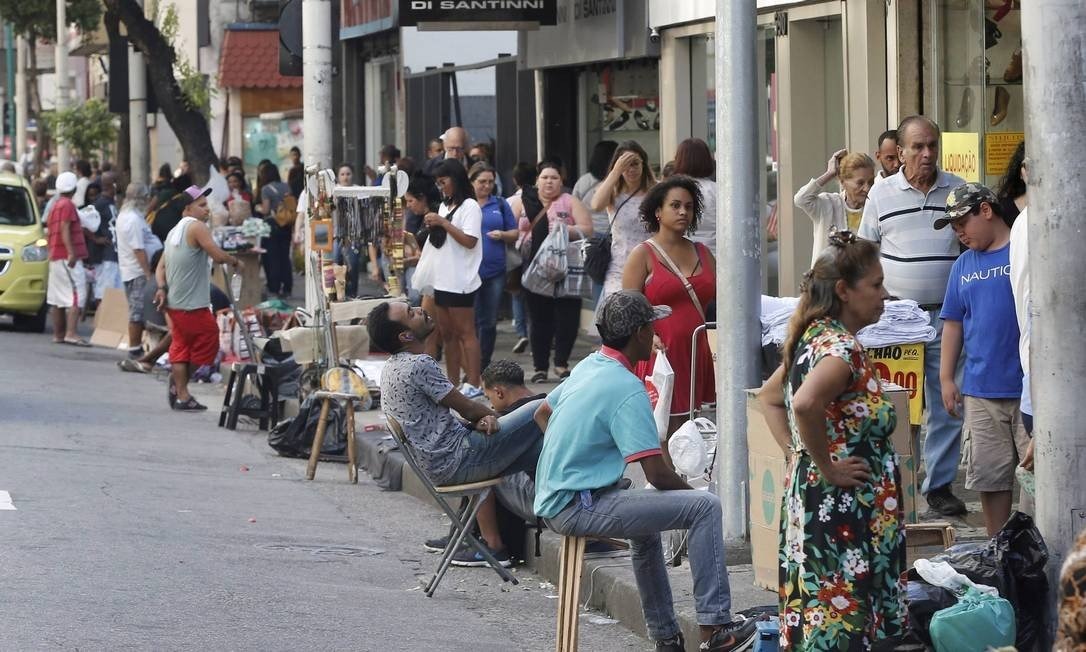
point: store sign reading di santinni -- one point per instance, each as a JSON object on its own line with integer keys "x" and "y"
{"x": 413, "y": 12}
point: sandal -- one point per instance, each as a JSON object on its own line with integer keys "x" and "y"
{"x": 133, "y": 365}
{"x": 191, "y": 405}
{"x": 76, "y": 341}
{"x": 539, "y": 377}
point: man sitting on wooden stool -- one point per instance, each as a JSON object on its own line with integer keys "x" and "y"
{"x": 597, "y": 422}
{"x": 416, "y": 392}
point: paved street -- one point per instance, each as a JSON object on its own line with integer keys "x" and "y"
{"x": 139, "y": 528}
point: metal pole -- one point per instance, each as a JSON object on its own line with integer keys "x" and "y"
{"x": 1055, "y": 94}
{"x": 317, "y": 92}
{"x": 9, "y": 86}
{"x": 317, "y": 80}
{"x": 739, "y": 247}
{"x": 139, "y": 139}
{"x": 61, "y": 78}
{"x": 21, "y": 116}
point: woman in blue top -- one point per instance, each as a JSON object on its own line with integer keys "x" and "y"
{"x": 499, "y": 227}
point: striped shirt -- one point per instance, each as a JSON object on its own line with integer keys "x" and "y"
{"x": 916, "y": 259}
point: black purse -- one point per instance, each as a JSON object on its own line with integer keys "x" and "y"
{"x": 437, "y": 237}
{"x": 597, "y": 257}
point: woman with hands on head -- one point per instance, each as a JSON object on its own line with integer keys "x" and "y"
{"x": 621, "y": 192}
{"x": 842, "y": 534}
{"x": 837, "y": 210}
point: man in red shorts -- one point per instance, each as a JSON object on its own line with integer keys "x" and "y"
{"x": 184, "y": 282}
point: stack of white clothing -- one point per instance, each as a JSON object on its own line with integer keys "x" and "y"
{"x": 776, "y": 311}
{"x": 902, "y": 322}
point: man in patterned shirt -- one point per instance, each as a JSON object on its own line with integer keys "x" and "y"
{"x": 416, "y": 392}
{"x": 916, "y": 260}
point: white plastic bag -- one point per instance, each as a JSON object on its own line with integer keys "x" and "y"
{"x": 687, "y": 450}
{"x": 943, "y": 574}
{"x": 89, "y": 218}
{"x": 659, "y": 386}
{"x": 545, "y": 273}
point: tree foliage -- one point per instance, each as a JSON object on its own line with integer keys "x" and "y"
{"x": 37, "y": 19}
{"x": 86, "y": 128}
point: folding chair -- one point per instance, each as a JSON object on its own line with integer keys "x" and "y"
{"x": 463, "y": 521}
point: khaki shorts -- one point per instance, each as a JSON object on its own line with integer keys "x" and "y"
{"x": 995, "y": 442}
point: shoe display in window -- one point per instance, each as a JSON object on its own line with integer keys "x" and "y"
{"x": 965, "y": 109}
{"x": 1001, "y": 105}
{"x": 1013, "y": 73}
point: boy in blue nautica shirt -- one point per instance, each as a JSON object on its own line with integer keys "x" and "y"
{"x": 979, "y": 309}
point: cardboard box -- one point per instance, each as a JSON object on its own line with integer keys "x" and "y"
{"x": 767, "y": 480}
{"x": 925, "y": 540}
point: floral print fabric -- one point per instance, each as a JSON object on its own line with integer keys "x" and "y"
{"x": 842, "y": 551}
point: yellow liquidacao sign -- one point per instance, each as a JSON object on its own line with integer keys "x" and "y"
{"x": 961, "y": 155}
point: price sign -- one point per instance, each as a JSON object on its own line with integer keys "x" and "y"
{"x": 903, "y": 365}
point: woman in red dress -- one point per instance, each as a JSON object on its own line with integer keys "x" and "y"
{"x": 672, "y": 270}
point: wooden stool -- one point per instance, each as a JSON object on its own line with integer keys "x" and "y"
{"x": 340, "y": 385}
{"x": 570, "y": 564}
{"x": 267, "y": 413}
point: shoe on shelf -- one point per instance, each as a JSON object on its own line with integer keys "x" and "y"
{"x": 471, "y": 391}
{"x": 965, "y": 109}
{"x": 1002, "y": 104}
{"x": 521, "y": 346}
{"x": 469, "y": 557}
{"x": 1013, "y": 73}
{"x": 737, "y": 635}
{"x": 676, "y": 644}
{"x": 942, "y": 501}
{"x": 539, "y": 377}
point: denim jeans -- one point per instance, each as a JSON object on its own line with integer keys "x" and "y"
{"x": 943, "y": 443}
{"x": 352, "y": 258}
{"x": 487, "y": 301}
{"x": 515, "y": 447}
{"x": 520, "y": 315}
{"x": 640, "y": 515}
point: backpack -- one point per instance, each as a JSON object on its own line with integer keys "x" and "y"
{"x": 287, "y": 212}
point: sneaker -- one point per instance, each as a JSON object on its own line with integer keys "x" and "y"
{"x": 737, "y": 635}
{"x": 436, "y": 545}
{"x": 942, "y": 501}
{"x": 676, "y": 644}
{"x": 539, "y": 377}
{"x": 521, "y": 346}
{"x": 470, "y": 558}
{"x": 471, "y": 391}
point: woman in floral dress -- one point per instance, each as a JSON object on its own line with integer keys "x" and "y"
{"x": 842, "y": 536}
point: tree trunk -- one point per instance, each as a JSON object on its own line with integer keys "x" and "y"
{"x": 189, "y": 125}
{"x": 34, "y": 108}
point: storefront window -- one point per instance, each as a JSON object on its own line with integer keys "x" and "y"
{"x": 979, "y": 98}
{"x": 623, "y": 104}
{"x": 272, "y": 140}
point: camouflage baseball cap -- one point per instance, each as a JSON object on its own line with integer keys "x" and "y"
{"x": 963, "y": 200}
{"x": 626, "y": 311}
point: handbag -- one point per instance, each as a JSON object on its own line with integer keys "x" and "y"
{"x": 597, "y": 255}
{"x": 674, "y": 269}
{"x": 577, "y": 282}
{"x": 438, "y": 236}
{"x": 545, "y": 274}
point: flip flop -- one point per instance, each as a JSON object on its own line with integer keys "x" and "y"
{"x": 133, "y": 365}
{"x": 76, "y": 341}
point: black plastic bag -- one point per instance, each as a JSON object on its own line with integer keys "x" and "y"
{"x": 1013, "y": 561}
{"x": 923, "y": 600}
{"x": 294, "y": 437}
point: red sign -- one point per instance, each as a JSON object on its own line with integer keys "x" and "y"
{"x": 359, "y": 12}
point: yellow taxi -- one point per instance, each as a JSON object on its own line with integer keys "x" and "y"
{"x": 24, "y": 255}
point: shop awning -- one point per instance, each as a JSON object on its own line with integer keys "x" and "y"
{"x": 250, "y": 59}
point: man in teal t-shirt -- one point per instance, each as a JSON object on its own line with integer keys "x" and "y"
{"x": 597, "y": 422}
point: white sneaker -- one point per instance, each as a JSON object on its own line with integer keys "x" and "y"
{"x": 470, "y": 391}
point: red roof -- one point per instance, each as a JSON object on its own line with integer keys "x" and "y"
{"x": 250, "y": 59}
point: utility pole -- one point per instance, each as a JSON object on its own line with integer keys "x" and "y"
{"x": 317, "y": 92}
{"x": 139, "y": 140}
{"x": 62, "y": 78}
{"x": 1055, "y": 94}
{"x": 9, "y": 87}
{"x": 739, "y": 250}
{"x": 21, "y": 117}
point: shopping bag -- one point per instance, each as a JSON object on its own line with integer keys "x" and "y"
{"x": 978, "y": 622}
{"x": 660, "y": 386}
{"x": 577, "y": 282}
{"x": 545, "y": 274}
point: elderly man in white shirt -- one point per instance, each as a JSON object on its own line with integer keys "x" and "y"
{"x": 916, "y": 259}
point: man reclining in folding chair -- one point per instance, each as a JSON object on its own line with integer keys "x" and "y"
{"x": 416, "y": 392}
{"x": 597, "y": 422}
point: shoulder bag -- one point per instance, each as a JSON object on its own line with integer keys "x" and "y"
{"x": 670, "y": 264}
{"x": 597, "y": 252}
